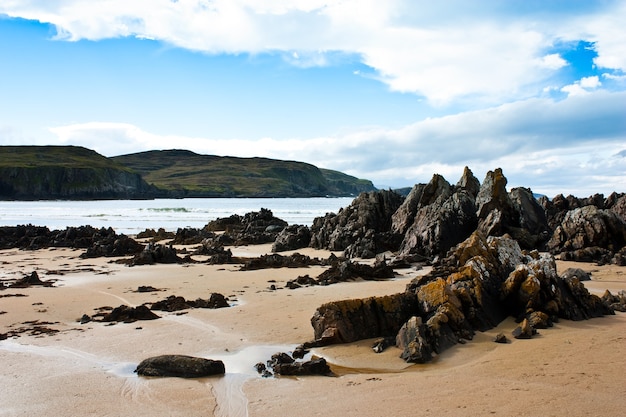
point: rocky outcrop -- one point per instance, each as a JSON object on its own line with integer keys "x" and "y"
{"x": 155, "y": 254}
{"x": 253, "y": 228}
{"x": 177, "y": 303}
{"x": 125, "y": 314}
{"x": 98, "y": 242}
{"x": 361, "y": 229}
{"x": 481, "y": 282}
{"x": 589, "y": 234}
{"x": 444, "y": 216}
{"x": 292, "y": 238}
{"x": 351, "y": 320}
{"x": 181, "y": 366}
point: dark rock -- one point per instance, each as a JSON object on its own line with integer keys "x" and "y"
{"x": 291, "y": 238}
{"x": 413, "y": 340}
{"x": 616, "y": 302}
{"x": 381, "y": 344}
{"x": 177, "y": 303}
{"x": 350, "y": 271}
{"x": 312, "y": 367}
{"x": 275, "y": 260}
{"x": 156, "y": 253}
{"x": 156, "y": 236}
{"x": 85, "y": 319}
{"x": 360, "y": 230}
{"x": 351, "y": 320}
{"x": 251, "y": 229}
{"x": 445, "y": 216}
{"x": 501, "y": 338}
{"x": 524, "y": 330}
{"x": 128, "y": 314}
{"x": 146, "y": 288}
{"x": 106, "y": 243}
{"x": 30, "y": 280}
{"x": 180, "y": 366}
{"x": 589, "y": 232}
{"x": 577, "y": 273}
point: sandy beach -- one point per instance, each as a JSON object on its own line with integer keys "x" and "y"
{"x": 573, "y": 368}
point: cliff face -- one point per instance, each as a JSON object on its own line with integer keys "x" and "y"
{"x": 65, "y": 172}
{"x": 43, "y": 183}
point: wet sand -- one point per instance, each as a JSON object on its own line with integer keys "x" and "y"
{"x": 573, "y": 369}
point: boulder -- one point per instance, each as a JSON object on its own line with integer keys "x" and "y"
{"x": 181, "y": 366}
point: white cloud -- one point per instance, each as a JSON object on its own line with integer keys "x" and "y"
{"x": 442, "y": 53}
{"x": 582, "y": 86}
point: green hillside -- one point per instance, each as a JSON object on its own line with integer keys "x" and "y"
{"x": 186, "y": 174}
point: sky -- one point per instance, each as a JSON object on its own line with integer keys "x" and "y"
{"x": 392, "y": 91}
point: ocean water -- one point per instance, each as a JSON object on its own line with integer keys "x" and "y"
{"x": 134, "y": 216}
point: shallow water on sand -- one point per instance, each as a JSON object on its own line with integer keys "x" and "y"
{"x": 227, "y": 389}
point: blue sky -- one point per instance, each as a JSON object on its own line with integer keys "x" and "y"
{"x": 390, "y": 91}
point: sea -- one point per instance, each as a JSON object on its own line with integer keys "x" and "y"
{"x": 133, "y": 216}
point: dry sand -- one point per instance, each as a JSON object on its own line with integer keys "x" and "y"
{"x": 572, "y": 369}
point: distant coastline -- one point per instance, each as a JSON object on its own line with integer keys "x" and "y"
{"x": 29, "y": 173}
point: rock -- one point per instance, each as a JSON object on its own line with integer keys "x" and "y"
{"x": 501, "y": 338}
{"x": 30, "y": 280}
{"x": 106, "y": 243}
{"x": 274, "y": 260}
{"x": 292, "y": 238}
{"x": 156, "y": 253}
{"x": 576, "y": 273}
{"x": 616, "y": 302}
{"x": 177, "y": 303}
{"x": 480, "y": 282}
{"x": 524, "y": 330}
{"x": 447, "y": 219}
{"x": 128, "y": 314}
{"x": 351, "y": 320}
{"x": 381, "y": 344}
{"x": 349, "y": 271}
{"x": 360, "y": 230}
{"x": 251, "y": 229}
{"x": 180, "y": 366}
{"x": 586, "y": 228}
{"x": 412, "y": 339}
{"x": 312, "y": 367}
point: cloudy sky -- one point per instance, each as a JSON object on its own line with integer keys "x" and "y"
{"x": 392, "y": 91}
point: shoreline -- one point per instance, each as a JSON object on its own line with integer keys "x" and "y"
{"x": 574, "y": 366}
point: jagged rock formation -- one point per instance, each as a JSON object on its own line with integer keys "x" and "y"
{"x": 439, "y": 215}
{"x": 292, "y": 237}
{"x": 252, "y": 228}
{"x": 589, "y": 234}
{"x": 481, "y": 282}
{"x": 361, "y": 229}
